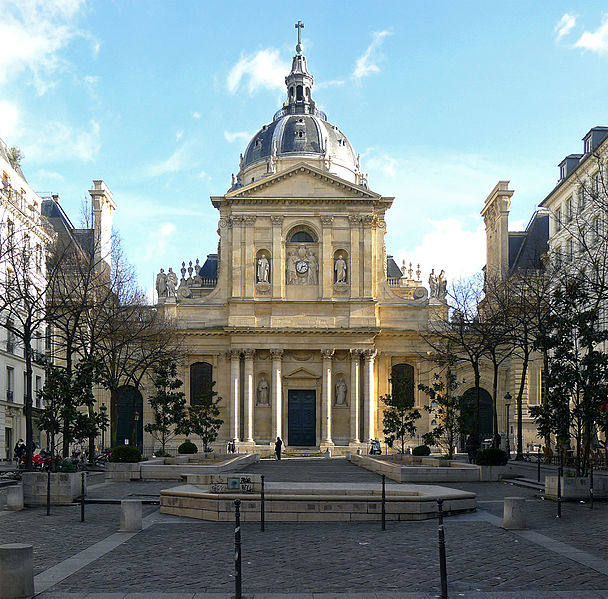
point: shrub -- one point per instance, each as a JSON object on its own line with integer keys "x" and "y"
{"x": 161, "y": 454}
{"x": 126, "y": 453}
{"x": 421, "y": 450}
{"x": 66, "y": 466}
{"x": 491, "y": 457}
{"x": 187, "y": 447}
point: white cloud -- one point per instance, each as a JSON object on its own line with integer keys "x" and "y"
{"x": 32, "y": 34}
{"x": 91, "y": 80}
{"x": 368, "y": 62}
{"x": 59, "y": 141}
{"x": 173, "y": 164}
{"x": 264, "y": 69}
{"x": 596, "y": 41}
{"x": 9, "y": 116}
{"x": 564, "y": 26}
{"x": 237, "y": 135}
{"x": 196, "y": 115}
{"x": 179, "y": 134}
{"x": 157, "y": 243}
{"x": 204, "y": 175}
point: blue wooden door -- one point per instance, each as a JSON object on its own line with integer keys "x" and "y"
{"x": 302, "y": 417}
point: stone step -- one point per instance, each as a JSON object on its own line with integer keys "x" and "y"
{"x": 527, "y": 483}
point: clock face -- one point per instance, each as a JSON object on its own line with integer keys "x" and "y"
{"x": 302, "y": 266}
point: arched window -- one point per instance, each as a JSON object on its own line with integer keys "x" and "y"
{"x": 402, "y": 382}
{"x": 302, "y": 236}
{"x": 201, "y": 383}
{"x": 299, "y": 95}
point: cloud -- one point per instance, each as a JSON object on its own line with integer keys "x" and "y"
{"x": 195, "y": 115}
{"x": 262, "y": 70}
{"x": 596, "y": 41}
{"x": 60, "y": 141}
{"x": 9, "y": 116}
{"x": 175, "y": 163}
{"x": 32, "y": 34}
{"x": 231, "y": 137}
{"x": 367, "y": 63}
{"x": 157, "y": 243}
{"x": 91, "y": 80}
{"x": 179, "y": 134}
{"x": 564, "y": 26}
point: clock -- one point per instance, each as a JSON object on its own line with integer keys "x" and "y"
{"x": 302, "y": 266}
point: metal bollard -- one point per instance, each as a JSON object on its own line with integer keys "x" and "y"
{"x": 48, "y": 493}
{"x": 538, "y": 467}
{"x": 237, "y": 550}
{"x": 383, "y": 502}
{"x": 440, "y": 509}
{"x": 442, "y": 565}
{"x": 591, "y": 482}
{"x": 559, "y": 490}
{"x": 82, "y": 497}
{"x": 262, "y": 507}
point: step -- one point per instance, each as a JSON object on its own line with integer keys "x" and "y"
{"x": 527, "y": 483}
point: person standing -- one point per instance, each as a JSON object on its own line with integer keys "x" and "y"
{"x": 19, "y": 451}
{"x": 277, "y": 447}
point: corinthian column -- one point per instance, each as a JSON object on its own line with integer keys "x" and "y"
{"x": 327, "y": 393}
{"x": 277, "y": 393}
{"x": 248, "y": 416}
{"x": 235, "y": 368}
{"x": 369, "y": 397}
{"x": 355, "y": 395}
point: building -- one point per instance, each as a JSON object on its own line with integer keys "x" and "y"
{"x": 300, "y": 317}
{"x": 23, "y": 237}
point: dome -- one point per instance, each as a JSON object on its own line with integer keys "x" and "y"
{"x": 298, "y": 133}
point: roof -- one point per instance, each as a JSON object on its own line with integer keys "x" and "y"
{"x": 526, "y": 248}
{"x": 392, "y": 269}
{"x": 62, "y": 225}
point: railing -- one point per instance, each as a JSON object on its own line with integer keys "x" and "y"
{"x": 208, "y": 281}
{"x": 291, "y": 110}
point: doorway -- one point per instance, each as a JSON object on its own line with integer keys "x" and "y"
{"x": 302, "y": 418}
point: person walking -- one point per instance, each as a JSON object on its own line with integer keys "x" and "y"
{"x": 471, "y": 447}
{"x": 277, "y": 447}
{"x": 19, "y": 451}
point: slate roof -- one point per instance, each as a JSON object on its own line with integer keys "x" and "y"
{"x": 527, "y": 247}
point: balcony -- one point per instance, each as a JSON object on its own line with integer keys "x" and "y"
{"x": 9, "y": 396}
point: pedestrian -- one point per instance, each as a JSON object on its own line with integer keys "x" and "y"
{"x": 19, "y": 451}
{"x": 277, "y": 447}
{"x": 471, "y": 447}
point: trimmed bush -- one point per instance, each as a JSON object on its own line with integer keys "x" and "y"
{"x": 66, "y": 466}
{"x": 161, "y": 454}
{"x": 126, "y": 453}
{"x": 187, "y": 447}
{"x": 421, "y": 450}
{"x": 491, "y": 457}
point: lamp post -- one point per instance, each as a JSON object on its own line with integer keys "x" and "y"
{"x": 103, "y": 408}
{"x": 136, "y": 419}
{"x": 508, "y": 399}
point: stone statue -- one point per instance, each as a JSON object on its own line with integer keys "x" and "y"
{"x": 171, "y": 283}
{"x": 313, "y": 268}
{"x": 340, "y": 268}
{"x": 442, "y": 286}
{"x": 263, "y": 389}
{"x": 263, "y": 269}
{"x": 161, "y": 283}
{"x": 432, "y": 284}
{"x": 340, "y": 392}
{"x": 291, "y": 268}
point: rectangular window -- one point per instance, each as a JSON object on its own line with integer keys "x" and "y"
{"x": 24, "y": 388}
{"x": 596, "y": 228}
{"x": 10, "y": 337}
{"x": 10, "y": 384}
{"x": 557, "y": 256}
{"x": 570, "y": 249}
{"x": 581, "y": 198}
{"x": 568, "y": 210}
{"x": 38, "y": 257}
{"x": 558, "y": 219}
{"x": 38, "y": 389}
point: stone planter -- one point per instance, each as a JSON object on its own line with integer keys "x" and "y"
{"x": 122, "y": 471}
{"x": 65, "y": 487}
{"x": 492, "y": 473}
{"x": 577, "y": 487}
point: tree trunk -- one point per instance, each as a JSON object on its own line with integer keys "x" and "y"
{"x": 477, "y": 381}
{"x": 495, "y": 442}
{"x": 29, "y": 425}
{"x": 520, "y": 392}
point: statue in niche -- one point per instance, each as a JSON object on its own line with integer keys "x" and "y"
{"x": 263, "y": 274}
{"x": 442, "y": 286}
{"x": 340, "y": 268}
{"x": 263, "y": 393}
{"x": 432, "y": 284}
{"x": 340, "y": 391}
{"x": 313, "y": 269}
{"x": 291, "y": 268}
{"x": 161, "y": 283}
{"x": 171, "y": 283}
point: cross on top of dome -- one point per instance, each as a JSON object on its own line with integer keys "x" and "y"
{"x": 299, "y": 27}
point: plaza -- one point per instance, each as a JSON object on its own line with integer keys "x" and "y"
{"x": 184, "y": 558}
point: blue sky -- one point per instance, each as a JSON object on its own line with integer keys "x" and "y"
{"x": 441, "y": 100}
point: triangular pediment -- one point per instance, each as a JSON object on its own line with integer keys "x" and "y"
{"x": 302, "y": 181}
{"x": 301, "y": 373}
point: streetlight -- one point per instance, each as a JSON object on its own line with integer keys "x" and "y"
{"x": 103, "y": 408}
{"x": 508, "y": 398}
{"x": 136, "y": 418}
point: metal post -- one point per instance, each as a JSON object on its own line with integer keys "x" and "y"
{"x": 591, "y": 482}
{"x": 440, "y": 509}
{"x": 538, "y": 469}
{"x": 48, "y": 492}
{"x": 559, "y": 486}
{"x": 82, "y": 497}
{"x": 237, "y": 549}
{"x": 442, "y": 565}
{"x": 262, "y": 506}
{"x": 383, "y": 502}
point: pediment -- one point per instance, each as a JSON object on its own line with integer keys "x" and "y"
{"x": 301, "y": 373}
{"x": 302, "y": 181}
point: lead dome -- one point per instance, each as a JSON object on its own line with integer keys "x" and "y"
{"x": 299, "y": 132}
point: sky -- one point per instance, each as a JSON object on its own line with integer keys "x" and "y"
{"x": 442, "y": 100}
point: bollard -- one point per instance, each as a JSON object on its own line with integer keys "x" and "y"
{"x": 130, "y": 515}
{"x": 48, "y": 493}
{"x": 262, "y": 506}
{"x": 591, "y": 483}
{"x": 538, "y": 467}
{"x": 443, "y": 572}
{"x": 514, "y": 515}
{"x": 383, "y": 502}
{"x": 16, "y": 571}
{"x": 14, "y": 498}
{"x": 440, "y": 509}
{"x": 82, "y": 496}
{"x": 559, "y": 489}
{"x": 237, "y": 550}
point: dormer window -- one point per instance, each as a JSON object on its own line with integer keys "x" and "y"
{"x": 562, "y": 171}
{"x": 588, "y": 144}
{"x": 258, "y": 143}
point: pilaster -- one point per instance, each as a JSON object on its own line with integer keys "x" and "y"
{"x": 327, "y": 355}
{"x": 369, "y": 394}
{"x": 249, "y": 399}
{"x": 235, "y": 368}
{"x": 355, "y": 396}
{"x": 277, "y": 393}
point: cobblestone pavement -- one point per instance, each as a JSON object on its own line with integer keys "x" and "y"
{"x": 189, "y": 556}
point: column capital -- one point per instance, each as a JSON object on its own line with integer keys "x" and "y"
{"x": 234, "y": 353}
{"x": 276, "y": 354}
{"x": 355, "y": 354}
{"x": 277, "y": 220}
{"x": 327, "y": 353}
{"x": 327, "y": 220}
{"x": 370, "y": 354}
{"x": 249, "y": 353}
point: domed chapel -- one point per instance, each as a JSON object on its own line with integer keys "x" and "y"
{"x": 300, "y": 318}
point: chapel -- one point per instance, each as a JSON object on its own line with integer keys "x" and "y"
{"x": 301, "y": 318}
